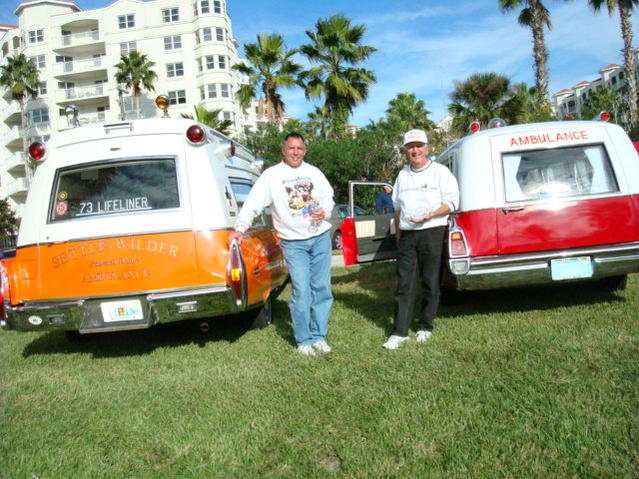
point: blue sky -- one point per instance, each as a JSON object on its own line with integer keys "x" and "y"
{"x": 424, "y": 45}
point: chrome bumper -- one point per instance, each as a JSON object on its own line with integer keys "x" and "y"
{"x": 84, "y": 314}
{"x": 493, "y": 272}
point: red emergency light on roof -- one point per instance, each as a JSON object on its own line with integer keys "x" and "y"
{"x": 36, "y": 151}
{"x": 474, "y": 127}
{"x": 195, "y": 134}
{"x": 602, "y": 116}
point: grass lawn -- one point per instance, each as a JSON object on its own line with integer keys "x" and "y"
{"x": 537, "y": 383}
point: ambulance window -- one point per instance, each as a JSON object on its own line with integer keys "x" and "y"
{"x": 558, "y": 173}
{"x": 114, "y": 188}
{"x": 241, "y": 188}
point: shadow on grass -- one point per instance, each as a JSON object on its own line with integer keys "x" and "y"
{"x": 145, "y": 341}
{"x": 378, "y": 281}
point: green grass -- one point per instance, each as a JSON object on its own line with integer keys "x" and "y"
{"x": 536, "y": 383}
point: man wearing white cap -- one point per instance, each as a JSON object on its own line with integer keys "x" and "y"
{"x": 425, "y": 193}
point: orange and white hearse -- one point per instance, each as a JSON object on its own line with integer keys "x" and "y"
{"x": 539, "y": 203}
{"x": 126, "y": 226}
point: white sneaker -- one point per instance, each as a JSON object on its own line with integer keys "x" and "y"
{"x": 321, "y": 346}
{"x": 394, "y": 341}
{"x": 306, "y": 350}
{"x": 422, "y": 336}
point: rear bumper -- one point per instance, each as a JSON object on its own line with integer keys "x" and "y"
{"x": 493, "y": 272}
{"x": 84, "y": 314}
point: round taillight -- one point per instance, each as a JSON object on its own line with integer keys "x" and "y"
{"x": 474, "y": 127}
{"x": 195, "y": 134}
{"x": 36, "y": 151}
{"x": 604, "y": 116}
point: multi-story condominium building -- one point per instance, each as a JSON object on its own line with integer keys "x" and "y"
{"x": 568, "y": 102}
{"x": 191, "y": 43}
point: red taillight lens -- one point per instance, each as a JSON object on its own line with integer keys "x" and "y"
{"x": 36, "y": 150}
{"x": 236, "y": 274}
{"x": 457, "y": 244}
{"x": 4, "y": 289}
{"x": 604, "y": 116}
{"x": 474, "y": 127}
{"x": 195, "y": 134}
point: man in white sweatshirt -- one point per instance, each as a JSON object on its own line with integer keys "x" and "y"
{"x": 425, "y": 193}
{"x": 301, "y": 200}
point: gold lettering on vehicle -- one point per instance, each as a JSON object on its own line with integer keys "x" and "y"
{"x": 105, "y": 245}
{"x": 116, "y": 275}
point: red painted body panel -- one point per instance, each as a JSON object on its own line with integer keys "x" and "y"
{"x": 480, "y": 229}
{"x": 349, "y": 242}
{"x": 548, "y": 226}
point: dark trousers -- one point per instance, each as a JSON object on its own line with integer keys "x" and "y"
{"x": 419, "y": 256}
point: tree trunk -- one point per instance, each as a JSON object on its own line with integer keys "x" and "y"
{"x": 25, "y": 146}
{"x": 539, "y": 52}
{"x": 629, "y": 62}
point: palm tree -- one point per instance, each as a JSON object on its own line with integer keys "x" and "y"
{"x": 334, "y": 45}
{"x": 625, "y": 8}
{"x": 534, "y": 15}
{"x": 484, "y": 96}
{"x": 270, "y": 67}
{"x": 210, "y": 118}
{"x": 20, "y": 76}
{"x": 410, "y": 112}
{"x": 135, "y": 72}
{"x": 318, "y": 122}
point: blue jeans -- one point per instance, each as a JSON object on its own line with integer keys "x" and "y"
{"x": 309, "y": 265}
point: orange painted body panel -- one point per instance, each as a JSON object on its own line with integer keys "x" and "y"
{"x": 141, "y": 263}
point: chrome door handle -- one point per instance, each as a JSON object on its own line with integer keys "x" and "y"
{"x": 510, "y": 209}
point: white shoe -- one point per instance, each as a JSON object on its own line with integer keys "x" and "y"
{"x": 306, "y": 350}
{"x": 321, "y": 346}
{"x": 422, "y": 336}
{"x": 394, "y": 341}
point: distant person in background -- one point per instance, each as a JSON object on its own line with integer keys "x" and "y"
{"x": 384, "y": 200}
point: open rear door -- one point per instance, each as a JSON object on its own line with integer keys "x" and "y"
{"x": 367, "y": 237}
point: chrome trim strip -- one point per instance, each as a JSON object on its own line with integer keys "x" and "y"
{"x": 177, "y": 291}
{"x": 516, "y": 257}
{"x": 611, "y": 259}
{"x": 187, "y": 292}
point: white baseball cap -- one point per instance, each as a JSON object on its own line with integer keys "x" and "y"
{"x": 415, "y": 136}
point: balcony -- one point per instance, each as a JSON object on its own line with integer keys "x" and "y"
{"x": 81, "y": 94}
{"x": 11, "y": 113}
{"x": 83, "y": 68}
{"x": 78, "y": 42}
{"x": 86, "y": 119}
{"x": 13, "y": 137}
{"x": 18, "y": 187}
{"x": 16, "y": 164}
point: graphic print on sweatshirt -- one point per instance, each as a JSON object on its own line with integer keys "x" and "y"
{"x": 300, "y": 196}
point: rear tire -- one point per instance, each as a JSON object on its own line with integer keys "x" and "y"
{"x": 614, "y": 283}
{"x": 261, "y": 317}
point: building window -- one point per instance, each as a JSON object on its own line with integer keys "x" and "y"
{"x": 207, "y": 35}
{"x": 227, "y": 115}
{"x": 211, "y": 90}
{"x": 173, "y": 42}
{"x": 126, "y": 21}
{"x": 39, "y": 61}
{"x": 42, "y": 88}
{"x": 170, "y": 15}
{"x": 621, "y": 75}
{"x": 204, "y": 6}
{"x": 221, "y": 62}
{"x": 36, "y": 36}
{"x": 41, "y": 115}
{"x": 219, "y": 34}
{"x": 614, "y": 80}
{"x": 224, "y": 90}
{"x": 209, "y": 61}
{"x": 127, "y": 47}
{"x": 217, "y": 6}
{"x": 177, "y": 97}
{"x": 175, "y": 70}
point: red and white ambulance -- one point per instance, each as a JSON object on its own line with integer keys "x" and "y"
{"x": 539, "y": 203}
{"x": 126, "y": 226}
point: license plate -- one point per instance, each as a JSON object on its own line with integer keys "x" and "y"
{"x": 128, "y": 310}
{"x": 571, "y": 268}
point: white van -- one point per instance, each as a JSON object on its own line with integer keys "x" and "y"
{"x": 126, "y": 226}
{"x": 539, "y": 203}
